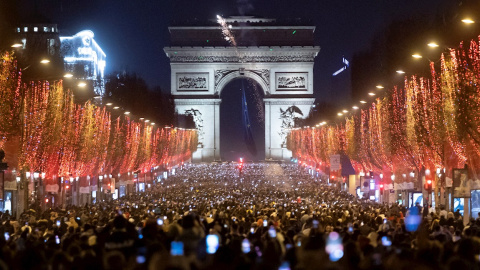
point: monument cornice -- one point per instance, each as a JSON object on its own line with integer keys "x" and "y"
{"x": 289, "y": 101}
{"x": 242, "y": 54}
{"x": 190, "y": 101}
{"x": 269, "y": 27}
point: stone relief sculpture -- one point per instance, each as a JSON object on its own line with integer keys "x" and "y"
{"x": 291, "y": 118}
{"x": 192, "y": 82}
{"x": 198, "y": 120}
{"x": 291, "y": 81}
{"x": 244, "y": 59}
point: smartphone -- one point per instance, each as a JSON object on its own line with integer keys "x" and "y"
{"x": 284, "y": 266}
{"x": 212, "y": 243}
{"x": 350, "y": 229}
{"x": 57, "y": 240}
{"x": 252, "y": 230}
{"x": 384, "y": 221}
{"x": 265, "y": 223}
{"x": 233, "y": 219}
{"x": 245, "y": 246}
{"x": 159, "y": 222}
{"x": 6, "y": 236}
{"x": 272, "y": 232}
{"x": 334, "y": 247}
{"x": 58, "y": 223}
{"x": 141, "y": 258}
{"x": 315, "y": 224}
{"x": 386, "y": 242}
{"x": 176, "y": 248}
{"x": 165, "y": 217}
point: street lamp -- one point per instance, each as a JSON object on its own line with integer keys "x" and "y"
{"x": 3, "y": 167}
{"x": 468, "y": 21}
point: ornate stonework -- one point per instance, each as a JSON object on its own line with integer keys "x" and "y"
{"x": 192, "y": 81}
{"x": 244, "y": 59}
{"x": 263, "y": 73}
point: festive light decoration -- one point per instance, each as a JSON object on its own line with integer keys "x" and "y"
{"x": 43, "y": 130}
{"x": 425, "y": 124}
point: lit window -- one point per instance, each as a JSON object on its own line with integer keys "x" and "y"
{"x": 25, "y": 29}
{"x": 35, "y": 29}
{"x": 18, "y": 29}
{"x": 53, "y": 29}
{"x": 51, "y": 46}
{"x": 45, "y": 29}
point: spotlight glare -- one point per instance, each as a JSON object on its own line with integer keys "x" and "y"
{"x": 468, "y": 21}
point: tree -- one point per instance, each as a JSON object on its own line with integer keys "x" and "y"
{"x": 132, "y": 93}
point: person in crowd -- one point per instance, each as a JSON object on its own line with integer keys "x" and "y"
{"x": 208, "y": 216}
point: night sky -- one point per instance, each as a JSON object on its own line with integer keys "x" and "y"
{"x": 133, "y": 33}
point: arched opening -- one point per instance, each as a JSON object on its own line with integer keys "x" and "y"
{"x": 236, "y": 138}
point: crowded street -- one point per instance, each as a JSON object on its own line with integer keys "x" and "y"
{"x": 221, "y": 216}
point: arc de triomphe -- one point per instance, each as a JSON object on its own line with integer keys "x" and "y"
{"x": 277, "y": 56}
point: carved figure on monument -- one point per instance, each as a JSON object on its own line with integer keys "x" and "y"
{"x": 296, "y": 82}
{"x": 198, "y": 120}
{"x": 291, "y": 118}
{"x": 192, "y": 82}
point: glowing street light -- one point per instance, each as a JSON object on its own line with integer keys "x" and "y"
{"x": 379, "y": 86}
{"x": 45, "y": 61}
{"x": 126, "y": 113}
{"x": 68, "y": 75}
{"x": 371, "y": 94}
{"x": 82, "y": 84}
{"x": 109, "y": 104}
{"x": 363, "y": 101}
{"x": 355, "y": 107}
{"x": 433, "y": 45}
{"x": 400, "y": 71}
{"x": 468, "y": 21}
{"x": 416, "y": 56}
{"x": 116, "y": 108}
{"x": 17, "y": 45}
{"x": 345, "y": 111}
{"x": 339, "y": 114}
{"x": 153, "y": 124}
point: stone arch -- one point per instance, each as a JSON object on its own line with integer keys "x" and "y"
{"x": 237, "y": 74}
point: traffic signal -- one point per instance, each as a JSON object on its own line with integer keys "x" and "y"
{"x": 428, "y": 185}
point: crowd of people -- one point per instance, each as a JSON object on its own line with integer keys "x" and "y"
{"x": 214, "y": 216}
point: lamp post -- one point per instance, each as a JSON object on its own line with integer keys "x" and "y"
{"x": 3, "y": 167}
